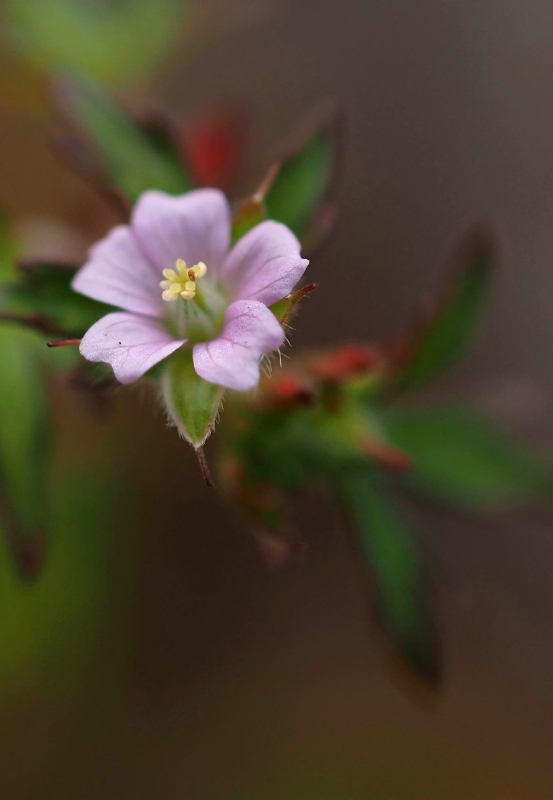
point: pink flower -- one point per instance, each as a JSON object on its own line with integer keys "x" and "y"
{"x": 171, "y": 272}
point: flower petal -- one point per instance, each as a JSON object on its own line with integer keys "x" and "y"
{"x": 117, "y": 273}
{"x": 131, "y": 344}
{"x": 232, "y": 360}
{"x": 194, "y": 227}
{"x": 265, "y": 264}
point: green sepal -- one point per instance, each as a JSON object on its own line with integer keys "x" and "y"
{"x": 284, "y": 309}
{"x": 130, "y": 157}
{"x": 43, "y": 293}
{"x": 192, "y": 404}
{"x": 401, "y": 587}
{"x": 305, "y": 174}
{"x": 462, "y": 458}
{"x": 443, "y": 335}
{"x": 281, "y": 308}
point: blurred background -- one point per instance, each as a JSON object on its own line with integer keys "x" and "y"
{"x": 161, "y": 658}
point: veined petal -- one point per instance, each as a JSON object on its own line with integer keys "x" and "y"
{"x": 131, "y": 344}
{"x": 194, "y": 227}
{"x": 264, "y": 265}
{"x": 232, "y": 360}
{"x": 117, "y": 273}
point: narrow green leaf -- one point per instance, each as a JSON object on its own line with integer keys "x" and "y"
{"x": 249, "y": 215}
{"x": 130, "y": 157}
{"x": 444, "y": 335}
{"x": 24, "y": 425}
{"x": 402, "y": 592}
{"x": 53, "y": 631}
{"x": 8, "y": 252}
{"x": 44, "y": 291}
{"x": 191, "y": 403}
{"x": 305, "y": 176}
{"x": 464, "y": 459}
{"x": 116, "y": 42}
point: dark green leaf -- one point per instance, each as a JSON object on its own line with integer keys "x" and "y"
{"x": 402, "y": 592}
{"x": 249, "y": 215}
{"x": 8, "y": 252}
{"x": 445, "y": 333}
{"x": 466, "y": 460}
{"x": 131, "y": 158}
{"x": 24, "y": 425}
{"x": 305, "y": 176}
{"x": 45, "y": 292}
{"x": 192, "y": 403}
{"x": 51, "y": 630}
{"x": 116, "y": 42}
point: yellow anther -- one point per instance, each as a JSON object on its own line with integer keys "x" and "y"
{"x": 182, "y": 282}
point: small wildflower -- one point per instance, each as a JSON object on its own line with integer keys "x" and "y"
{"x": 178, "y": 283}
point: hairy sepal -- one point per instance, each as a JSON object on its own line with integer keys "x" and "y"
{"x": 192, "y": 404}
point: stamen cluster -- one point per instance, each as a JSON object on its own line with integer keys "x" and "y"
{"x": 182, "y": 282}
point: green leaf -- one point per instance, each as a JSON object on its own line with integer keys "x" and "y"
{"x": 191, "y": 403}
{"x": 249, "y": 215}
{"x": 8, "y": 252}
{"x": 53, "y": 630}
{"x": 130, "y": 157}
{"x": 402, "y": 591}
{"x": 115, "y": 42}
{"x": 24, "y": 425}
{"x": 440, "y": 339}
{"x": 304, "y": 179}
{"x": 466, "y": 460}
{"x": 44, "y": 292}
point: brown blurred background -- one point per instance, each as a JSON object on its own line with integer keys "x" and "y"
{"x": 248, "y": 683}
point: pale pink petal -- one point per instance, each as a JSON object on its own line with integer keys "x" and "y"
{"x": 194, "y": 227}
{"x": 117, "y": 273}
{"x": 264, "y": 265}
{"x": 232, "y": 360}
{"x": 131, "y": 344}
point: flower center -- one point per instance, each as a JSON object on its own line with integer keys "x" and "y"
{"x": 181, "y": 281}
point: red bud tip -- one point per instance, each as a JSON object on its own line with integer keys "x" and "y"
{"x": 342, "y": 363}
{"x": 286, "y": 392}
{"x": 386, "y": 456}
{"x": 305, "y": 290}
{"x": 64, "y": 342}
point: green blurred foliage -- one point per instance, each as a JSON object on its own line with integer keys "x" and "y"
{"x": 248, "y": 216}
{"x": 50, "y": 627}
{"x": 333, "y": 418}
{"x": 9, "y": 250}
{"x": 464, "y": 459}
{"x": 45, "y": 290}
{"x": 304, "y": 178}
{"x": 132, "y": 160}
{"x": 442, "y": 338}
{"x": 25, "y": 426}
{"x": 114, "y": 41}
{"x": 402, "y": 593}
{"x": 298, "y": 186}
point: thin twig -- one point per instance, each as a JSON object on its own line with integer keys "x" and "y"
{"x": 204, "y": 466}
